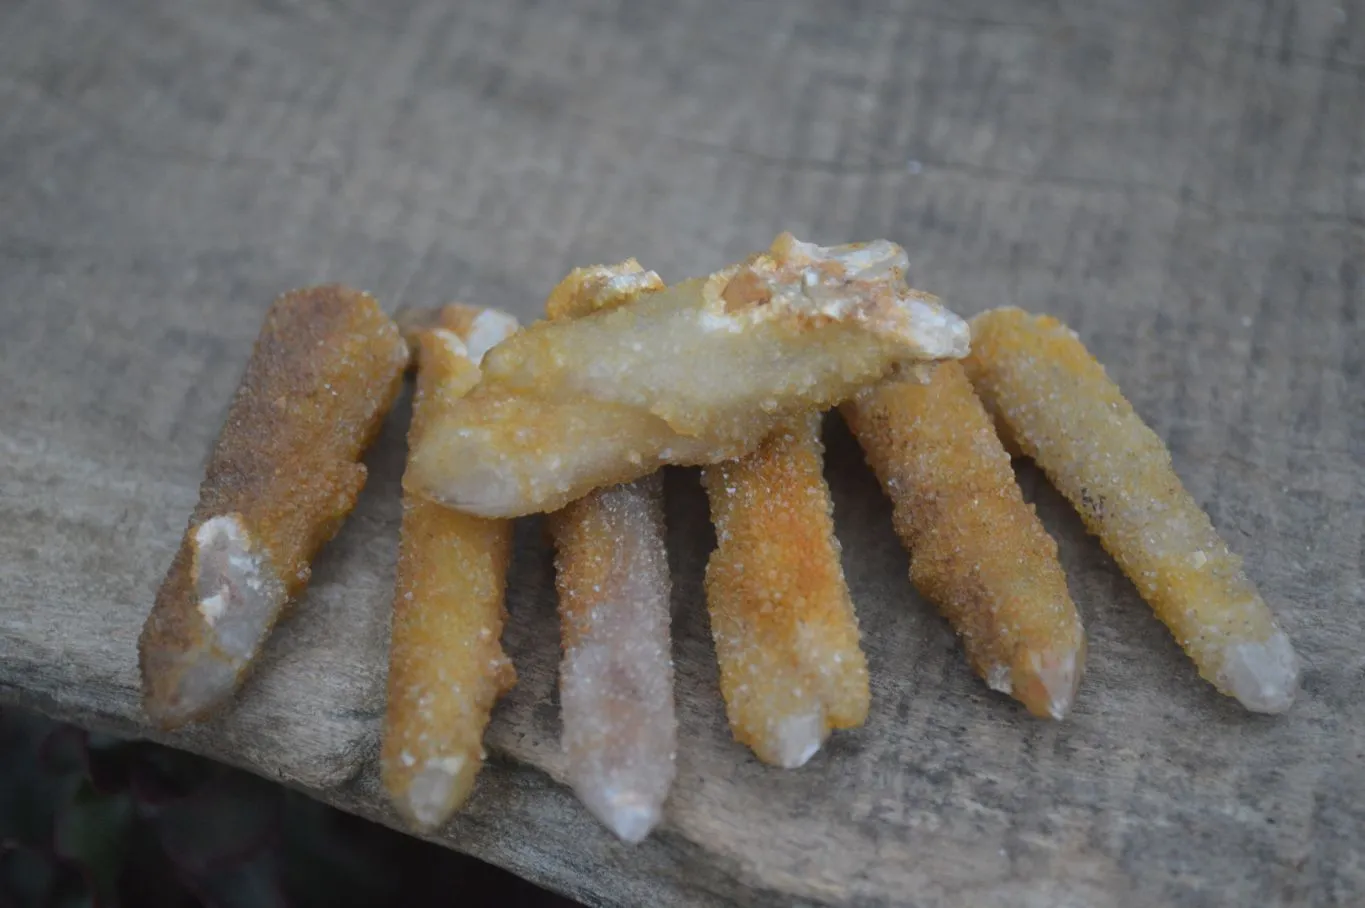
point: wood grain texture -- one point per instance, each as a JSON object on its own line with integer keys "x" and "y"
{"x": 1183, "y": 183}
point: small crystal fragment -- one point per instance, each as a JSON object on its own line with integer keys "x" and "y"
{"x": 977, "y": 550}
{"x": 1066, "y": 413}
{"x": 598, "y": 288}
{"x": 616, "y": 678}
{"x": 791, "y": 667}
{"x": 446, "y": 665}
{"x": 691, "y": 374}
{"x": 283, "y": 475}
{"x": 477, "y": 329}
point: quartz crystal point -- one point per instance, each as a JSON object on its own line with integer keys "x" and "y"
{"x": 283, "y": 475}
{"x": 977, "y": 549}
{"x": 791, "y": 667}
{"x": 616, "y": 678}
{"x": 446, "y": 663}
{"x": 691, "y": 374}
{"x": 1066, "y": 413}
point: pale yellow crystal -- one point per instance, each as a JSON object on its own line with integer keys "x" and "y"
{"x": 695, "y": 373}
{"x": 1065, "y": 412}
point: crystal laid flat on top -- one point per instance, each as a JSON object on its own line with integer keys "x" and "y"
{"x": 691, "y": 374}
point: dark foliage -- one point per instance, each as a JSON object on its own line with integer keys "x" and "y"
{"x": 89, "y": 821}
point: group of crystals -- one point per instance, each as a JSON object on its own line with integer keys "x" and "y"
{"x": 574, "y": 415}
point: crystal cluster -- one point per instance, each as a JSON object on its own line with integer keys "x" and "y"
{"x": 576, "y": 414}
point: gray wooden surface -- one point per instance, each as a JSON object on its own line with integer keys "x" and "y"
{"x": 1184, "y": 182}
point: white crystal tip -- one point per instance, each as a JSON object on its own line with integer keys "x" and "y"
{"x": 1058, "y": 676}
{"x": 431, "y": 794}
{"x": 940, "y": 333}
{"x": 798, "y": 738}
{"x": 489, "y": 328}
{"x": 1263, "y": 676}
{"x": 236, "y": 598}
{"x": 629, "y": 815}
{"x": 238, "y": 593}
{"x": 203, "y": 683}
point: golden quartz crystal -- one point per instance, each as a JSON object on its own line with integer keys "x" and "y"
{"x": 1066, "y": 413}
{"x": 282, "y": 478}
{"x": 446, "y": 663}
{"x": 791, "y": 667}
{"x": 695, "y": 373}
{"x": 977, "y": 549}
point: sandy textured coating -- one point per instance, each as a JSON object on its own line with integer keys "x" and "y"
{"x": 695, "y": 373}
{"x": 791, "y": 667}
{"x": 1065, "y": 413}
{"x": 616, "y": 677}
{"x": 977, "y": 550}
{"x": 446, "y": 663}
{"x": 283, "y": 475}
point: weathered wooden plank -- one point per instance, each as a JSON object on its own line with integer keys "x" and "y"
{"x": 1185, "y": 183}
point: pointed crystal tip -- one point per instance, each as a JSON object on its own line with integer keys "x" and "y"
{"x": 630, "y": 815}
{"x": 202, "y": 683}
{"x": 1047, "y": 682}
{"x": 1264, "y": 676}
{"x": 798, "y": 738}
{"x": 432, "y": 794}
{"x": 237, "y": 598}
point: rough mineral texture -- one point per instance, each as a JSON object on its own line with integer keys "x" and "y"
{"x": 1065, "y": 413}
{"x": 616, "y": 676}
{"x": 614, "y": 590}
{"x": 791, "y": 667}
{"x": 446, "y": 663}
{"x": 282, "y": 477}
{"x": 1182, "y": 183}
{"x": 696, "y": 373}
{"x": 598, "y": 288}
{"x": 977, "y": 549}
